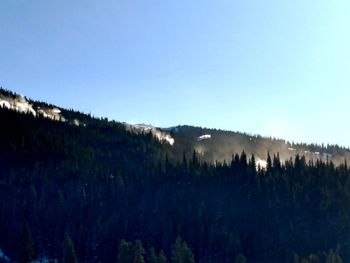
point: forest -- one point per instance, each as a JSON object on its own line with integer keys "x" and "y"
{"x": 100, "y": 193}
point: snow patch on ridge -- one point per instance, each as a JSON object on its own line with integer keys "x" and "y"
{"x": 204, "y": 137}
{"x": 157, "y": 133}
{"x": 22, "y": 105}
{"x": 53, "y": 114}
{"x": 18, "y": 103}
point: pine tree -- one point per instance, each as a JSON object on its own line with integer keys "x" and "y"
{"x": 26, "y": 245}
{"x": 152, "y": 256}
{"x": 181, "y": 252}
{"x": 69, "y": 255}
{"x": 202, "y": 224}
{"x": 240, "y": 259}
{"x": 184, "y": 161}
{"x": 233, "y": 245}
{"x": 333, "y": 257}
{"x": 162, "y": 258}
{"x": 268, "y": 163}
{"x": 139, "y": 252}
{"x": 120, "y": 184}
{"x": 124, "y": 252}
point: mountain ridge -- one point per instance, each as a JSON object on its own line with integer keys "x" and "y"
{"x": 211, "y": 144}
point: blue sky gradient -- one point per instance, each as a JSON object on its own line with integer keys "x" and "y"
{"x": 276, "y": 68}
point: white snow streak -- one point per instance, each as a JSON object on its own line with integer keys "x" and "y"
{"x": 157, "y": 133}
{"x": 204, "y": 137}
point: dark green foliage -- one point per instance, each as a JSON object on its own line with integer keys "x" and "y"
{"x": 26, "y": 250}
{"x": 181, "y": 253}
{"x": 240, "y": 259}
{"x": 125, "y": 252}
{"x": 154, "y": 258}
{"x": 69, "y": 255}
{"x": 105, "y": 184}
{"x": 320, "y": 257}
{"x": 162, "y": 257}
{"x": 139, "y": 252}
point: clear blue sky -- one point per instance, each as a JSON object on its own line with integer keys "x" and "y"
{"x": 273, "y": 67}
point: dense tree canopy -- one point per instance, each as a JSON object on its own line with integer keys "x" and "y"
{"x": 125, "y": 197}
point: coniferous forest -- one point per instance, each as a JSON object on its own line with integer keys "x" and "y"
{"x": 100, "y": 193}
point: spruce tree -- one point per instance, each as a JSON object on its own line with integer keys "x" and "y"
{"x": 181, "y": 252}
{"x": 152, "y": 256}
{"x": 240, "y": 259}
{"x": 124, "y": 252}
{"x": 139, "y": 252}
{"x": 69, "y": 255}
{"x": 26, "y": 246}
{"x": 162, "y": 258}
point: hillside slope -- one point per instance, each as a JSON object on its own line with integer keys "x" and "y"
{"x": 105, "y": 191}
{"x": 211, "y": 144}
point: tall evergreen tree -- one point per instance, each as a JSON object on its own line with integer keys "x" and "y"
{"x": 26, "y": 246}
{"x": 69, "y": 255}
{"x": 125, "y": 253}
{"x": 139, "y": 252}
{"x": 162, "y": 257}
{"x": 240, "y": 259}
{"x": 153, "y": 258}
{"x": 181, "y": 253}
{"x": 268, "y": 163}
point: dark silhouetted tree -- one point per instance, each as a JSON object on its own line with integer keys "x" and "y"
{"x": 240, "y": 259}
{"x": 125, "y": 253}
{"x": 181, "y": 253}
{"x": 26, "y": 246}
{"x": 139, "y": 252}
{"x": 69, "y": 255}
